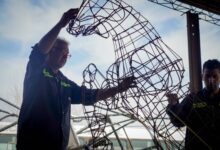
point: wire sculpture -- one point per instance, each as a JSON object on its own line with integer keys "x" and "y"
{"x": 8, "y": 115}
{"x": 139, "y": 52}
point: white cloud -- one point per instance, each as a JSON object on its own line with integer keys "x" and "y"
{"x": 155, "y": 13}
{"x": 11, "y": 78}
{"x": 27, "y": 23}
{"x": 209, "y": 35}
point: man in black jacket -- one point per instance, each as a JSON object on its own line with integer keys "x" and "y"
{"x": 44, "y": 120}
{"x": 200, "y": 112}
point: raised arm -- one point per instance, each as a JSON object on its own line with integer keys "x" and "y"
{"x": 48, "y": 40}
{"x": 127, "y": 83}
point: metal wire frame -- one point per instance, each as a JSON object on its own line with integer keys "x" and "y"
{"x": 139, "y": 52}
{"x": 7, "y": 113}
{"x": 183, "y": 8}
{"x": 117, "y": 127}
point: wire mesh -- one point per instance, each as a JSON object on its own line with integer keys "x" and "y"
{"x": 139, "y": 52}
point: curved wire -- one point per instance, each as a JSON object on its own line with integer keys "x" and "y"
{"x": 139, "y": 52}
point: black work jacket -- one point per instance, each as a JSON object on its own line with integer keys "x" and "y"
{"x": 201, "y": 115}
{"x": 44, "y": 120}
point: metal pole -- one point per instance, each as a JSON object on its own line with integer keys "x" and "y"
{"x": 115, "y": 132}
{"x": 194, "y": 52}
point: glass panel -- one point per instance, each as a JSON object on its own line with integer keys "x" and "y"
{"x": 7, "y": 142}
{"x": 116, "y": 144}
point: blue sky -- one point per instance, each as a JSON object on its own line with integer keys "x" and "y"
{"x": 24, "y": 22}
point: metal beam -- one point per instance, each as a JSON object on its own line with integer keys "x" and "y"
{"x": 194, "y": 52}
{"x": 207, "y": 14}
{"x": 208, "y": 5}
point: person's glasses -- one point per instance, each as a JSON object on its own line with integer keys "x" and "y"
{"x": 69, "y": 55}
{"x": 61, "y": 51}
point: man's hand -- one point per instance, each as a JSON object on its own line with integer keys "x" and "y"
{"x": 172, "y": 98}
{"x": 67, "y": 16}
{"x": 127, "y": 83}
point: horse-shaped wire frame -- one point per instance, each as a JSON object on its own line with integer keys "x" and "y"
{"x": 139, "y": 52}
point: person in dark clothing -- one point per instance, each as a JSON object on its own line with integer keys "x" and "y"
{"x": 44, "y": 119}
{"x": 200, "y": 112}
